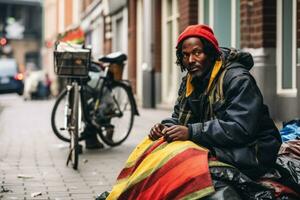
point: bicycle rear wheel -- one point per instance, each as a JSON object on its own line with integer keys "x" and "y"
{"x": 58, "y": 117}
{"x": 117, "y": 121}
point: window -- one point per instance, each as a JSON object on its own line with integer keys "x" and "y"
{"x": 170, "y": 72}
{"x": 119, "y": 31}
{"x": 286, "y": 47}
{"x": 224, "y": 17}
{"x": 96, "y": 38}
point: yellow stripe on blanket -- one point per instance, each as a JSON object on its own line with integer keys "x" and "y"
{"x": 138, "y": 151}
{"x": 153, "y": 161}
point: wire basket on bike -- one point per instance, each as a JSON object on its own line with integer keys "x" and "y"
{"x": 72, "y": 63}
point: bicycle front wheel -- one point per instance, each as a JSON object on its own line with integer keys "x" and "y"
{"x": 59, "y": 117}
{"x": 118, "y": 117}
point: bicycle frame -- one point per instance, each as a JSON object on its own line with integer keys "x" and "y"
{"x": 105, "y": 81}
{"x": 101, "y": 104}
{"x": 102, "y": 81}
{"x": 72, "y": 114}
{"x": 67, "y": 110}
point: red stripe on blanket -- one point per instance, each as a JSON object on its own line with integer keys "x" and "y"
{"x": 190, "y": 187}
{"x": 128, "y": 171}
{"x": 187, "y": 172}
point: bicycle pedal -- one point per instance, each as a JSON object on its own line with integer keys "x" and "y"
{"x": 62, "y": 129}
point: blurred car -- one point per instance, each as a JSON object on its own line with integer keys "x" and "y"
{"x": 11, "y": 80}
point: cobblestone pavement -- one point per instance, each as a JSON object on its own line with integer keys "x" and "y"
{"x": 32, "y": 159}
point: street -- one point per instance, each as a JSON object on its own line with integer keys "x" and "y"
{"x": 33, "y": 160}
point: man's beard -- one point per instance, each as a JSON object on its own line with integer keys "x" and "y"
{"x": 201, "y": 72}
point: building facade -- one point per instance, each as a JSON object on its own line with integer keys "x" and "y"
{"x": 104, "y": 22}
{"x": 20, "y": 30}
{"x": 147, "y": 31}
{"x": 267, "y": 29}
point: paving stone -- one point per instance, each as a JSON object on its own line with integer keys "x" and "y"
{"x": 55, "y": 184}
{"x": 13, "y": 197}
{"x": 82, "y": 196}
{"x": 59, "y": 195}
{"x": 56, "y": 189}
{"x": 33, "y": 184}
{"x": 35, "y": 151}
{"x": 60, "y": 198}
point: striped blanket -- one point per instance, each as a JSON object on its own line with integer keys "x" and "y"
{"x": 159, "y": 170}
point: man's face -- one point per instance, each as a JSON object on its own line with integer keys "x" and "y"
{"x": 194, "y": 58}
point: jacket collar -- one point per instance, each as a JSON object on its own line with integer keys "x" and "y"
{"x": 202, "y": 83}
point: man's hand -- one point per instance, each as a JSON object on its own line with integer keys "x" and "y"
{"x": 176, "y": 133}
{"x": 156, "y": 131}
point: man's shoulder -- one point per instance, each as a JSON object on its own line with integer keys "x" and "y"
{"x": 237, "y": 58}
{"x": 236, "y": 69}
{"x": 232, "y": 73}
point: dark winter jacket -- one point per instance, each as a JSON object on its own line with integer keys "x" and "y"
{"x": 239, "y": 131}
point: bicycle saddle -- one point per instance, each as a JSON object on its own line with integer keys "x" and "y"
{"x": 116, "y": 57}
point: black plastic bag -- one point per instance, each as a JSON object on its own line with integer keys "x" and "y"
{"x": 243, "y": 185}
{"x": 289, "y": 168}
{"x": 223, "y": 191}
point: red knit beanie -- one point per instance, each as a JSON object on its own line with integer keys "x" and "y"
{"x": 199, "y": 30}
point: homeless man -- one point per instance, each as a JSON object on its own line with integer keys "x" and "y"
{"x": 219, "y": 119}
{"x": 219, "y": 105}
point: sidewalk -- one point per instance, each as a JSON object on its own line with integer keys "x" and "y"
{"x": 32, "y": 159}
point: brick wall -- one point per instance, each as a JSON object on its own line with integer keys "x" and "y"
{"x": 157, "y": 36}
{"x": 85, "y": 4}
{"x": 188, "y": 13}
{"x": 258, "y": 23}
{"x": 269, "y": 23}
{"x": 107, "y": 46}
{"x": 132, "y": 12}
{"x": 251, "y": 23}
{"x": 68, "y": 13}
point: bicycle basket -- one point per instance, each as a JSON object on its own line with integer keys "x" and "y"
{"x": 71, "y": 64}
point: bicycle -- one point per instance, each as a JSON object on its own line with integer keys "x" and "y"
{"x": 108, "y": 105}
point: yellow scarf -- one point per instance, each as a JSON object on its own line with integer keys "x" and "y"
{"x": 190, "y": 87}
